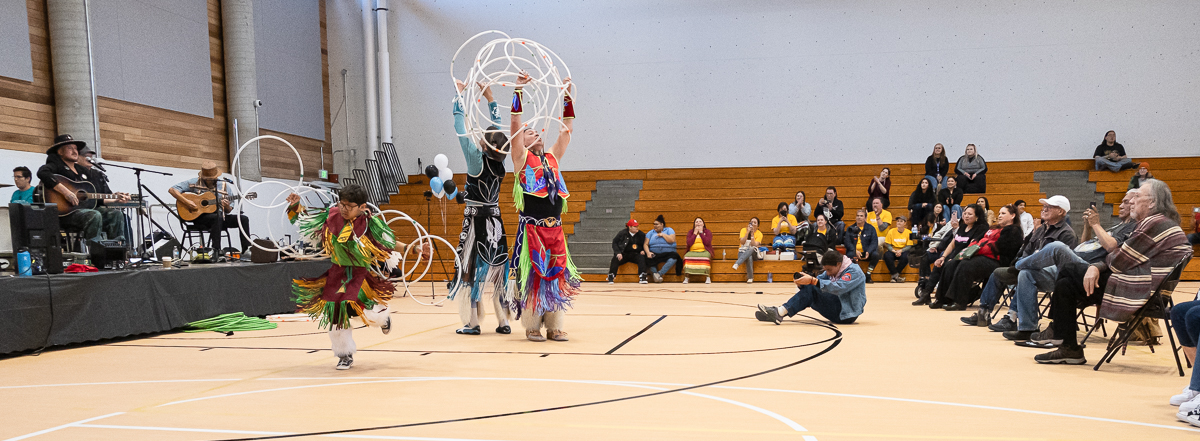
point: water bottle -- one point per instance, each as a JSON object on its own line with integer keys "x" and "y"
{"x": 24, "y": 263}
{"x": 722, "y": 254}
{"x": 770, "y": 277}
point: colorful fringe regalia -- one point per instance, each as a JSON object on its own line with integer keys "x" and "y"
{"x": 482, "y": 245}
{"x": 349, "y": 287}
{"x": 546, "y": 279}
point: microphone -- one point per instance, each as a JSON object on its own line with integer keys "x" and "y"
{"x": 98, "y": 165}
{"x": 226, "y": 180}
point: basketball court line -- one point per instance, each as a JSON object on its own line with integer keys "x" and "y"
{"x": 610, "y": 351}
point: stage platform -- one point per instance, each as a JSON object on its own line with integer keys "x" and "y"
{"x": 77, "y": 308}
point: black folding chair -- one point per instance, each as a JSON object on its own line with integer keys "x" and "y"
{"x": 1158, "y": 306}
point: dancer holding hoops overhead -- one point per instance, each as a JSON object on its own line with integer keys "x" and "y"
{"x": 482, "y": 246}
{"x": 355, "y": 240}
{"x": 546, "y": 279}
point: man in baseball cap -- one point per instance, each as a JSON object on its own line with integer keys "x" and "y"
{"x": 629, "y": 246}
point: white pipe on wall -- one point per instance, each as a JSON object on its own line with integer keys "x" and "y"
{"x": 369, "y": 72}
{"x": 385, "y": 78}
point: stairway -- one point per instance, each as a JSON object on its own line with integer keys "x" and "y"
{"x": 599, "y": 222}
{"x": 1075, "y": 186}
{"x": 382, "y": 177}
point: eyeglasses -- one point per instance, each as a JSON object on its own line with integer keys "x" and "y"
{"x": 348, "y": 205}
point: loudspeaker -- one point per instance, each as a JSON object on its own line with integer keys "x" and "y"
{"x": 107, "y": 254}
{"x": 260, "y": 255}
{"x": 35, "y": 226}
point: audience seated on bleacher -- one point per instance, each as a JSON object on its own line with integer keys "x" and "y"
{"x": 660, "y": 248}
{"x": 698, "y": 260}
{"x": 838, "y": 294}
{"x": 987, "y": 207}
{"x": 1072, "y": 266}
{"x": 937, "y": 167}
{"x": 1026, "y": 219}
{"x": 1138, "y": 267}
{"x": 1110, "y": 154}
{"x": 1194, "y": 236}
{"x": 940, "y": 216}
{"x": 934, "y": 241}
{"x": 950, "y": 199}
{"x": 971, "y": 171}
{"x": 22, "y": 176}
{"x": 833, "y": 209}
{"x": 1142, "y": 175}
{"x": 879, "y": 218}
{"x": 1022, "y": 317}
{"x": 922, "y": 200}
{"x": 881, "y": 187}
{"x": 748, "y": 241}
{"x": 628, "y": 247}
{"x": 970, "y": 228}
{"x": 862, "y": 242}
{"x": 821, "y": 237}
{"x": 998, "y": 246}
{"x": 898, "y": 244}
{"x": 800, "y": 208}
{"x": 784, "y": 226}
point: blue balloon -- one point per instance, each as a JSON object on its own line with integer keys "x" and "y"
{"x": 453, "y": 195}
{"x": 435, "y": 184}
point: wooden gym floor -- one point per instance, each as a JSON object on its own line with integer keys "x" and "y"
{"x": 900, "y": 373}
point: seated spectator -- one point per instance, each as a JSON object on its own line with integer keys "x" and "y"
{"x": 1026, "y": 219}
{"x": 937, "y": 167}
{"x": 939, "y": 213}
{"x": 1138, "y": 267}
{"x": 748, "y": 240}
{"x": 660, "y": 248}
{"x": 627, "y": 247}
{"x": 1186, "y": 318}
{"x": 1110, "y": 154}
{"x": 879, "y": 218}
{"x": 22, "y": 176}
{"x": 922, "y": 200}
{"x": 821, "y": 238}
{"x": 1194, "y": 237}
{"x": 970, "y": 228}
{"x": 698, "y": 260}
{"x": 1142, "y": 175}
{"x": 862, "y": 242}
{"x": 880, "y": 187}
{"x": 784, "y": 226}
{"x": 935, "y": 241}
{"x": 951, "y": 199}
{"x": 998, "y": 246}
{"x": 833, "y": 209}
{"x": 800, "y": 208}
{"x": 898, "y": 243}
{"x": 971, "y": 171}
{"x": 1022, "y": 317}
{"x": 838, "y": 294}
{"x": 991, "y": 215}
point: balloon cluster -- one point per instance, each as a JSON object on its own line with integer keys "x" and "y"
{"x": 441, "y": 179}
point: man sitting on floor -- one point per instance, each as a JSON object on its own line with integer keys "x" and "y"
{"x": 627, "y": 247}
{"x": 838, "y": 294}
{"x": 1138, "y": 267}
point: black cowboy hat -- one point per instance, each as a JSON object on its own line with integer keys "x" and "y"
{"x": 62, "y": 140}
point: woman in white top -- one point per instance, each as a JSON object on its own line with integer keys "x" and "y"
{"x": 800, "y": 208}
{"x": 1026, "y": 218}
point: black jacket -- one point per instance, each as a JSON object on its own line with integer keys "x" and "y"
{"x": 836, "y": 210}
{"x": 625, "y": 242}
{"x": 1009, "y": 244}
{"x": 931, "y": 166}
{"x": 948, "y": 197}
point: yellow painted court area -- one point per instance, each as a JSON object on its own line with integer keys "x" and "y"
{"x": 628, "y": 372}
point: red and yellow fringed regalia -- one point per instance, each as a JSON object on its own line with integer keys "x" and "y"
{"x": 546, "y": 279}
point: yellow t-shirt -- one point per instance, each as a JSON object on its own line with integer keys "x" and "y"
{"x": 885, "y": 216}
{"x": 791, "y": 220}
{"x": 900, "y": 238}
{"x": 757, "y": 236}
{"x": 698, "y": 247}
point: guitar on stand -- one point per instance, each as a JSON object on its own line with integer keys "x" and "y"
{"x": 205, "y": 203}
{"x": 85, "y": 193}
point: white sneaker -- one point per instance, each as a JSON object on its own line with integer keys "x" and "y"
{"x": 735, "y": 266}
{"x": 749, "y": 280}
{"x": 1187, "y": 395}
{"x": 707, "y": 280}
{"x": 1189, "y": 412}
{"x": 685, "y": 280}
{"x": 345, "y": 363}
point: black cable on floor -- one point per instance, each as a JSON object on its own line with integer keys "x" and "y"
{"x": 50, "y": 330}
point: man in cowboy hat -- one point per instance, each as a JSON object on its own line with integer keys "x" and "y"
{"x": 62, "y": 159}
{"x": 209, "y": 180}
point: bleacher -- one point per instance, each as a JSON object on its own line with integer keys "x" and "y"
{"x": 728, "y": 197}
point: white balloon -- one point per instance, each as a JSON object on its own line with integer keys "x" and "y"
{"x": 440, "y": 161}
{"x": 445, "y": 174}
{"x": 440, "y": 194}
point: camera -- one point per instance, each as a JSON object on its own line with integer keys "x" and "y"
{"x": 258, "y": 103}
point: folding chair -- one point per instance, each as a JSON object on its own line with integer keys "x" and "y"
{"x": 1158, "y": 306}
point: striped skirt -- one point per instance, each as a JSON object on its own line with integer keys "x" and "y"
{"x": 697, "y": 262}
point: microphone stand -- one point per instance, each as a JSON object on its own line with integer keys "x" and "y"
{"x": 137, "y": 172}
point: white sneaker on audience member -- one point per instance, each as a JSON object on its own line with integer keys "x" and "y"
{"x": 1187, "y": 395}
{"x": 1189, "y": 412}
{"x": 708, "y": 280}
{"x": 735, "y": 266}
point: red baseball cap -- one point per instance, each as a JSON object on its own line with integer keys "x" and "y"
{"x": 631, "y": 223}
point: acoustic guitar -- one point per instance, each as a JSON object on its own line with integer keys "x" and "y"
{"x": 205, "y": 203}
{"x": 84, "y": 191}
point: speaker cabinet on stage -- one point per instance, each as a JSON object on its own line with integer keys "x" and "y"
{"x": 107, "y": 254}
{"x": 35, "y": 226}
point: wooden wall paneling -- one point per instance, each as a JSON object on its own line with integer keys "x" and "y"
{"x": 27, "y": 121}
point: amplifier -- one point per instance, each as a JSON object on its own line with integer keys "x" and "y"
{"x": 108, "y": 254}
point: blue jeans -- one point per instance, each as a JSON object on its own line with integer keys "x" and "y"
{"x": 1000, "y": 280}
{"x": 1053, "y": 254}
{"x": 1103, "y": 163}
{"x": 936, "y": 185}
{"x": 950, "y": 211}
{"x": 810, "y": 296}
{"x": 1185, "y": 317}
{"x": 1029, "y": 283}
